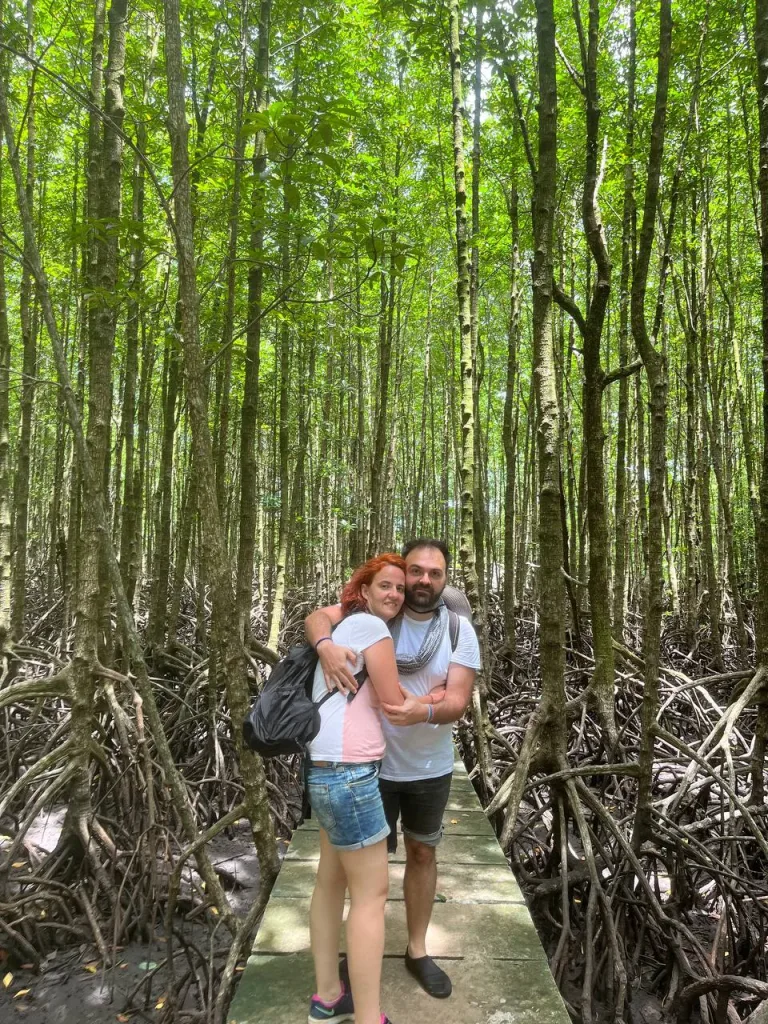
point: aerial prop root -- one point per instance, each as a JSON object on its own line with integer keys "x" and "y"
{"x": 697, "y": 760}
{"x": 723, "y": 729}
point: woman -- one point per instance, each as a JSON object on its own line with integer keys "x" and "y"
{"x": 343, "y": 790}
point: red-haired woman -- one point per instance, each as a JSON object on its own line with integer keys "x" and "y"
{"x": 343, "y": 790}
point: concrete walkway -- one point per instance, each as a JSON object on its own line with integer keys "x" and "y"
{"x": 481, "y": 933}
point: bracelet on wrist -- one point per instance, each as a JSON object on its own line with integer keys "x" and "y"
{"x": 430, "y": 713}
{"x": 321, "y": 640}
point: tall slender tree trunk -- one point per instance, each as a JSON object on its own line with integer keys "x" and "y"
{"x": 5, "y": 475}
{"x": 132, "y": 487}
{"x": 284, "y": 429}
{"x": 57, "y": 540}
{"x": 186, "y": 523}
{"x": 621, "y": 529}
{"x": 215, "y": 559}
{"x": 594, "y": 379}
{"x": 691, "y": 465}
{"x": 510, "y": 428}
{"x": 705, "y": 454}
{"x": 550, "y": 538}
{"x": 656, "y": 369}
{"x": 467, "y": 544}
{"x": 380, "y": 435}
{"x": 250, "y": 407}
{"x": 222, "y": 431}
{"x": 478, "y": 503}
{"x": 546, "y": 734}
{"x": 761, "y": 48}
{"x": 528, "y": 476}
{"x": 29, "y": 369}
{"x": 732, "y": 346}
{"x": 161, "y": 558}
{"x": 94, "y": 587}
{"x": 420, "y": 496}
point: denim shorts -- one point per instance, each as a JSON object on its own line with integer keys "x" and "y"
{"x": 346, "y": 801}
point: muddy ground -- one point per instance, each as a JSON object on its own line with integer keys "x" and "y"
{"x": 73, "y": 988}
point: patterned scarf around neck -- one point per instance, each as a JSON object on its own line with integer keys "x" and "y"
{"x": 407, "y": 664}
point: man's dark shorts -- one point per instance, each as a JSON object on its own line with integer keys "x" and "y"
{"x": 419, "y": 804}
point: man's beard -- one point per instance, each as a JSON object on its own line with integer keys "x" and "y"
{"x": 422, "y": 598}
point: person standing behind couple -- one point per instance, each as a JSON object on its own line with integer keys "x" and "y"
{"x": 415, "y": 776}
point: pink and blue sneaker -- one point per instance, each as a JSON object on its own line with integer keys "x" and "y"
{"x": 341, "y": 1009}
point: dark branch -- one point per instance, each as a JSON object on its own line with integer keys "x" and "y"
{"x": 512, "y": 81}
{"x": 569, "y": 305}
{"x": 622, "y": 371}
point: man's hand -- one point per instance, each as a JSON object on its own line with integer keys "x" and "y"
{"x": 410, "y": 712}
{"x": 337, "y": 663}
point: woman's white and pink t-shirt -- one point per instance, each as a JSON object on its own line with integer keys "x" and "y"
{"x": 350, "y": 731}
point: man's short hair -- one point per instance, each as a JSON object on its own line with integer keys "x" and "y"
{"x": 428, "y": 542}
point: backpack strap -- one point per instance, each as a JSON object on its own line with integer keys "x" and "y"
{"x": 454, "y": 627}
{"x": 360, "y": 678}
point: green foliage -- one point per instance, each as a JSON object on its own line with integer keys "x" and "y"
{"x": 359, "y": 181}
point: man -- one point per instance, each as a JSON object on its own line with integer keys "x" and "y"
{"x": 415, "y": 777}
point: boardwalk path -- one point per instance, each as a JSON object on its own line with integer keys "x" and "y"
{"x": 481, "y": 933}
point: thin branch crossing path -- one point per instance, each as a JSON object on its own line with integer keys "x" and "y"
{"x": 481, "y": 933}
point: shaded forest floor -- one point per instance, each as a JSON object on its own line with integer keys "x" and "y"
{"x": 73, "y": 985}
{"x": 704, "y": 890}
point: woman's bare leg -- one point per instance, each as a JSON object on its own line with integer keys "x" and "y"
{"x": 367, "y": 878}
{"x": 325, "y": 914}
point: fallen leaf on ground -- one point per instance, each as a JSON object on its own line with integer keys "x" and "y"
{"x": 7, "y": 980}
{"x": 22, "y": 992}
{"x": 123, "y": 1018}
{"x": 147, "y": 965}
{"x": 19, "y": 864}
{"x": 91, "y": 968}
{"x": 454, "y": 821}
{"x": 160, "y": 1003}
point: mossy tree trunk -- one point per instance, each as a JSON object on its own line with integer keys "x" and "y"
{"x": 93, "y": 586}
{"x": 656, "y": 370}
{"x": 512, "y": 584}
{"x": 761, "y": 48}
{"x": 28, "y": 320}
{"x": 550, "y": 536}
{"x": 467, "y": 543}
{"x": 226, "y": 636}
{"x": 591, "y": 327}
{"x": 5, "y": 473}
{"x": 250, "y": 407}
{"x": 621, "y": 532}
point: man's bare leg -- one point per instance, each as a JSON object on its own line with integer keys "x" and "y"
{"x": 419, "y": 884}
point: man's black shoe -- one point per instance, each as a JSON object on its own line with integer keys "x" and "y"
{"x": 432, "y": 978}
{"x": 344, "y": 972}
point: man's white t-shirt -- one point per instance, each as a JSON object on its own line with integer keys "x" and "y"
{"x": 426, "y": 751}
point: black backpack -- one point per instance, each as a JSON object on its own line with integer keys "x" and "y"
{"x": 284, "y": 718}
